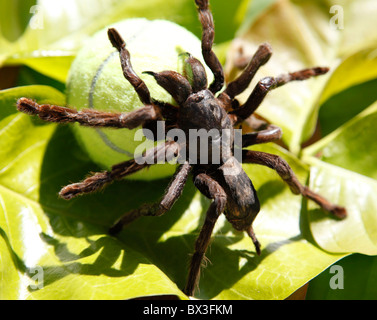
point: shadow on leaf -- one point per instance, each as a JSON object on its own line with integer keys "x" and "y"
{"x": 110, "y": 252}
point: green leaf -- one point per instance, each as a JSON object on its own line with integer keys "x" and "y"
{"x": 358, "y": 276}
{"x": 30, "y": 77}
{"x": 355, "y": 69}
{"x": 345, "y": 105}
{"x": 55, "y": 67}
{"x": 68, "y": 239}
{"x": 359, "y": 19}
{"x": 254, "y": 9}
{"x": 43, "y": 94}
{"x": 351, "y": 146}
{"x": 55, "y": 33}
{"x": 286, "y": 242}
{"x": 286, "y": 247}
{"x": 350, "y": 181}
{"x": 78, "y": 259}
{"x": 13, "y": 25}
{"x": 308, "y": 40}
{"x": 358, "y": 231}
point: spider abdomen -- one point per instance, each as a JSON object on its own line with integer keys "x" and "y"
{"x": 242, "y": 200}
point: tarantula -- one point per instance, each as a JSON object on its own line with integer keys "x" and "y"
{"x": 198, "y": 107}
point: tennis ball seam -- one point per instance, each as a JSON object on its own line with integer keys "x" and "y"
{"x": 96, "y": 82}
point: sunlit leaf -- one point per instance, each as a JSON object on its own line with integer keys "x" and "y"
{"x": 13, "y": 25}
{"x": 55, "y": 67}
{"x": 357, "y": 232}
{"x": 357, "y": 68}
{"x": 351, "y": 146}
{"x": 57, "y": 31}
{"x": 43, "y": 94}
{"x": 310, "y": 38}
{"x": 68, "y": 239}
{"x": 38, "y": 230}
{"x": 286, "y": 244}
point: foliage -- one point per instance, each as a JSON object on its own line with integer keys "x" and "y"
{"x": 299, "y": 242}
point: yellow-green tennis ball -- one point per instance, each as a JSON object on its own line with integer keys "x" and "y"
{"x": 96, "y": 81}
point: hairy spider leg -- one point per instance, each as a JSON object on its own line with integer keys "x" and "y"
{"x": 151, "y": 112}
{"x": 213, "y": 190}
{"x": 100, "y": 179}
{"x": 271, "y": 133}
{"x": 208, "y": 36}
{"x": 239, "y": 85}
{"x": 285, "y": 172}
{"x": 174, "y": 83}
{"x": 171, "y": 195}
{"x": 251, "y": 234}
{"x": 269, "y": 83}
{"x": 128, "y": 72}
{"x": 167, "y": 110}
{"x": 227, "y": 192}
{"x": 132, "y": 77}
{"x": 88, "y": 117}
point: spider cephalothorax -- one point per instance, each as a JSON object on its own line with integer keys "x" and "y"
{"x": 199, "y": 107}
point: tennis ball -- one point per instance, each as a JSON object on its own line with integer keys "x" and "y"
{"x": 96, "y": 81}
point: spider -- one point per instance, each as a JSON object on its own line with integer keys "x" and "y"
{"x": 199, "y": 107}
